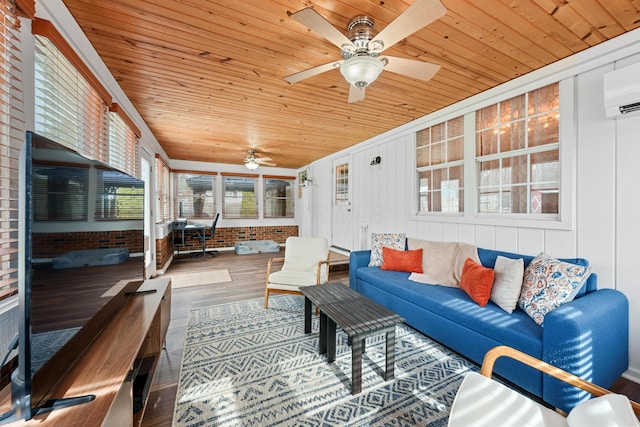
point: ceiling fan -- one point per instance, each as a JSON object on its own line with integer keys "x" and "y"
{"x": 252, "y": 161}
{"x": 361, "y": 47}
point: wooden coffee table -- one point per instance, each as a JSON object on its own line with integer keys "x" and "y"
{"x": 359, "y": 318}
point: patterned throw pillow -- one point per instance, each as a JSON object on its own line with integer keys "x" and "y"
{"x": 548, "y": 283}
{"x": 378, "y": 240}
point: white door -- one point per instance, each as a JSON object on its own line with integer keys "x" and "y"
{"x": 149, "y": 222}
{"x": 342, "y": 224}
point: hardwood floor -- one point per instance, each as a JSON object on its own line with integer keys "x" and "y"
{"x": 248, "y": 274}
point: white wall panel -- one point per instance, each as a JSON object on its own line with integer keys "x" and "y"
{"x": 486, "y": 236}
{"x": 628, "y": 224}
{"x": 531, "y": 241}
{"x": 562, "y": 241}
{"x": 596, "y": 176}
{"x": 507, "y": 239}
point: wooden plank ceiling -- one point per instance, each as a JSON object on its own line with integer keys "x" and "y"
{"x": 207, "y": 76}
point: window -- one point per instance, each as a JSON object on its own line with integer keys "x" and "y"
{"x": 123, "y": 142}
{"x": 70, "y": 109}
{"x": 278, "y": 196}
{"x": 440, "y": 166}
{"x": 195, "y": 195}
{"x": 518, "y": 149}
{"x": 11, "y": 139}
{"x": 60, "y": 193}
{"x": 342, "y": 184}
{"x": 240, "y": 196}
{"x": 122, "y": 196}
{"x": 163, "y": 212}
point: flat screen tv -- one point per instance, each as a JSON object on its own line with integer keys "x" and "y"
{"x": 83, "y": 257}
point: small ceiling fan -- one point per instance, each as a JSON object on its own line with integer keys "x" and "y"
{"x": 252, "y": 161}
{"x": 361, "y": 47}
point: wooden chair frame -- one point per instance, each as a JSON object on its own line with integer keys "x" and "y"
{"x": 267, "y": 291}
{"x": 500, "y": 351}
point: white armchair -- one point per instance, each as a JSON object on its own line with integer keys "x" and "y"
{"x": 305, "y": 263}
{"x": 483, "y": 402}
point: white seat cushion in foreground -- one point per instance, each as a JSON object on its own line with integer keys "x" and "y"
{"x": 610, "y": 410}
{"x": 482, "y": 402}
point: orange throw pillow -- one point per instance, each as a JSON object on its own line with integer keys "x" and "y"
{"x": 476, "y": 281}
{"x": 407, "y": 261}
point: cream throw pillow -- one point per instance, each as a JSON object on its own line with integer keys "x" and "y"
{"x": 442, "y": 262}
{"x": 507, "y": 282}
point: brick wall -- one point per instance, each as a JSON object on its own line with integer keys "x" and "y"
{"x": 164, "y": 249}
{"x": 50, "y": 245}
{"x": 226, "y": 237}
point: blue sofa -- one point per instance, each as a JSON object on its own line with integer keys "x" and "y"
{"x": 587, "y": 336}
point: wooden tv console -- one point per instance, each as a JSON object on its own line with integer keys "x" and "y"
{"x": 125, "y": 353}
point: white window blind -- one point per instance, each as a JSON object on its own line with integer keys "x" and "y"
{"x": 240, "y": 199}
{"x": 278, "y": 196}
{"x": 120, "y": 196}
{"x": 11, "y": 139}
{"x": 123, "y": 145}
{"x": 69, "y": 110}
{"x": 195, "y": 194}
{"x": 163, "y": 212}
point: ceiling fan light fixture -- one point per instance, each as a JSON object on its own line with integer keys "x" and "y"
{"x": 252, "y": 164}
{"x": 361, "y": 71}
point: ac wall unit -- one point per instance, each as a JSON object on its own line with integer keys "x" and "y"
{"x": 622, "y": 92}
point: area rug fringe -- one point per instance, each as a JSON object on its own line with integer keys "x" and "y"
{"x": 246, "y": 366}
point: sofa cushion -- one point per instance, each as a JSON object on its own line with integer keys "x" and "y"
{"x": 548, "y": 283}
{"x": 442, "y": 262}
{"x": 408, "y": 261}
{"x": 379, "y": 240}
{"x": 488, "y": 259}
{"x": 476, "y": 281}
{"x": 517, "y": 330}
{"x": 507, "y": 282}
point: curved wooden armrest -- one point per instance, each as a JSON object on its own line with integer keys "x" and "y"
{"x": 492, "y": 355}
{"x": 319, "y": 269}
{"x": 271, "y": 260}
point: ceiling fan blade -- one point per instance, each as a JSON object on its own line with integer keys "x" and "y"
{"x": 316, "y": 22}
{"x": 295, "y": 78}
{"x": 420, "y": 14}
{"x": 266, "y": 163}
{"x": 410, "y": 67}
{"x": 356, "y": 94}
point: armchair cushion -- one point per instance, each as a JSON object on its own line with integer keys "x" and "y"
{"x": 292, "y": 277}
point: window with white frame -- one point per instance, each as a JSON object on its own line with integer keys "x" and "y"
{"x": 239, "y": 200}
{"x": 68, "y": 109}
{"x": 121, "y": 197}
{"x": 11, "y": 139}
{"x": 440, "y": 167}
{"x": 517, "y": 154}
{"x": 278, "y": 196}
{"x": 195, "y": 194}
{"x": 60, "y": 193}
{"x": 123, "y": 143}
{"x": 163, "y": 211}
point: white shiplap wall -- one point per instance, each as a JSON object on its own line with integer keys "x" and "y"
{"x": 605, "y": 198}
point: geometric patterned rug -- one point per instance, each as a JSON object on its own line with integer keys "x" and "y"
{"x": 246, "y": 366}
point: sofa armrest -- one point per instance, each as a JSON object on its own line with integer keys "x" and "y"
{"x": 588, "y": 337}
{"x": 357, "y": 259}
